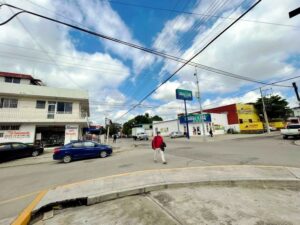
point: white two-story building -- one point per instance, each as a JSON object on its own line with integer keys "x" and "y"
{"x": 33, "y": 113}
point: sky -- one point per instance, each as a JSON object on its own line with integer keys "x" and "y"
{"x": 264, "y": 46}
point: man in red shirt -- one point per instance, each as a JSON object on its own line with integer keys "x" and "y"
{"x": 158, "y": 146}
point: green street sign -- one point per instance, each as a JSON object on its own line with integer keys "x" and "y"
{"x": 184, "y": 94}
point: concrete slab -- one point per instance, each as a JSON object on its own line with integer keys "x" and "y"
{"x": 124, "y": 211}
{"x": 97, "y": 189}
{"x": 231, "y": 205}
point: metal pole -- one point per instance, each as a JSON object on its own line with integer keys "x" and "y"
{"x": 264, "y": 110}
{"x": 186, "y": 122}
{"x": 200, "y": 105}
{"x": 107, "y": 135}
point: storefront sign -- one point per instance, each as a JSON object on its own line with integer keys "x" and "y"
{"x": 16, "y": 134}
{"x": 184, "y": 95}
{"x": 251, "y": 126}
{"x": 195, "y": 118}
{"x": 71, "y": 133}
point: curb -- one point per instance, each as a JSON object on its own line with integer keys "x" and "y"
{"x": 33, "y": 213}
{"x": 25, "y": 215}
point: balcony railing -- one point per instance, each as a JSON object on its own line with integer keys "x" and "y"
{"x": 36, "y": 115}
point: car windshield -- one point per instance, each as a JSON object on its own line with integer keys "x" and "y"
{"x": 293, "y": 126}
{"x": 142, "y": 112}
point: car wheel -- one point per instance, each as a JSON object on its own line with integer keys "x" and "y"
{"x": 67, "y": 159}
{"x": 103, "y": 154}
{"x": 285, "y": 137}
{"x": 35, "y": 153}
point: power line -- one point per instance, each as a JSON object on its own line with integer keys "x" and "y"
{"x": 58, "y": 54}
{"x": 176, "y": 71}
{"x": 276, "y": 82}
{"x": 199, "y": 14}
{"x": 161, "y": 54}
{"x": 61, "y": 63}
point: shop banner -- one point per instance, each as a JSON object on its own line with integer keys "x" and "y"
{"x": 71, "y": 133}
{"x": 195, "y": 118}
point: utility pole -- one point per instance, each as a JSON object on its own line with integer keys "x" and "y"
{"x": 264, "y": 111}
{"x": 200, "y": 105}
{"x": 186, "y": 122}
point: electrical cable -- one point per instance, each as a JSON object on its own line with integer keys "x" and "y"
{"x": 164, "y": 55}
{"x": 176, "y": 71}
{"x": 199, "y": 14}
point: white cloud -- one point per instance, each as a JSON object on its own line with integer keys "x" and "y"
{"x": 46, "y": 50}
{"x": 100, "y": 16}
{"x": 251, "y": 49}
{"x": 167, "y": 92}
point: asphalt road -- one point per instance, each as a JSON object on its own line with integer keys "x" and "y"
{"x": 19, "y": 184}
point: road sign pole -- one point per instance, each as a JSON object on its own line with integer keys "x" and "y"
{"x": 187, "y": 122}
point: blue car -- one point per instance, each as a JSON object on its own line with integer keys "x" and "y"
{"x": 81, "y": 150}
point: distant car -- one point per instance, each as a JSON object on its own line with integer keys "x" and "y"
{"x": 142, "y": 136}
{"x": 176, "y": 134}
{"x": 292, "y": 130}
{"x": 81, "y": 150}
{"x": 16, "y": 150}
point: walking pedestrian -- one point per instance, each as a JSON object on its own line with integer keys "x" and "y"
{"x": 211, "y": 132}
{"x": 158, "y": 145}
{"x": 114, "y": 138}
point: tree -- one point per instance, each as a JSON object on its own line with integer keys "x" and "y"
{"x": 156, "y": 118}
{"x": 276, "y": 107}
{"x": 114, "y": 128}
{"x": 140, "y": 119}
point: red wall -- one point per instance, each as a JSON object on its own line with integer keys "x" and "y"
{"x": 231, "y": 111}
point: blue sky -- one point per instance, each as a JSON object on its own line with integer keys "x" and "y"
{"x": 117, "y": 76}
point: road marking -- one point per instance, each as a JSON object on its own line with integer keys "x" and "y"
{"x": 19, "y": 197}
{"x": 24, "y": 217}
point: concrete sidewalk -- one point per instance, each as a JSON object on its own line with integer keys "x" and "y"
{"x": 112, "y": 187}
{"x": 227, "y": 137}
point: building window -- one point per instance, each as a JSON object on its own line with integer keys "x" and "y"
{"x": 250, "y": 121}
{"x": 241, "y": 121}
{"x": 9, "y": 127}
{"x": 64, "y": 107}
{"x": 8, "y": 103}
{"x": 40, "y": 104}
{"x": 12, "y": 80}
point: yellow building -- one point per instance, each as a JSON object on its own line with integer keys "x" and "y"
{"x": 248, "y": 118}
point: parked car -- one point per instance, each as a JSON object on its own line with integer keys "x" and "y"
{"x": 292, "y": 130}
{"x": 271, "y": 129}
{"x": 142, "y": 136}
{"x": 81, "y": 150}
{"x": 16, "y": 150}
{"x": 176, "y": 134}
